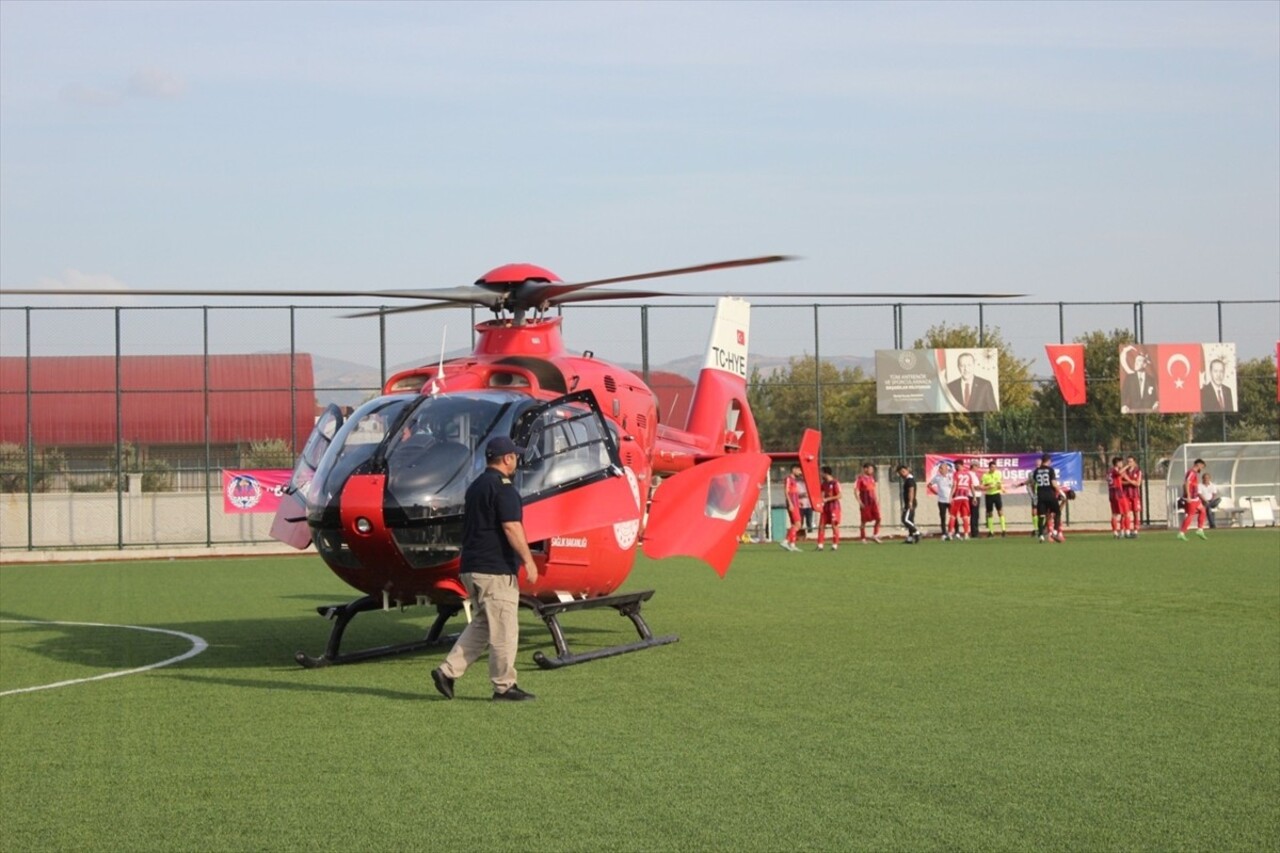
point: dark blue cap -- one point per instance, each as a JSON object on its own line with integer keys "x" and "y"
{"x": 501, "y": 446}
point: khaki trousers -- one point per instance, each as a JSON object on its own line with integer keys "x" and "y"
{"x": 495, "y": 603}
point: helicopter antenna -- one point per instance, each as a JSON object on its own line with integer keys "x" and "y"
{"x": 437, "y": 384}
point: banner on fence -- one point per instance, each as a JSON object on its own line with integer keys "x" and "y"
{"x": 937, "y": 381}
{"x": 1015, "y": 467}
{"x": 256, "y": 490}
{"x": 1175, "y": 379}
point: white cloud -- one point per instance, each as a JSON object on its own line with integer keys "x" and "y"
{"x": 156, "y": 83}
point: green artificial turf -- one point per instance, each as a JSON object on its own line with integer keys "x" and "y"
{"x": 1000, "y": 694}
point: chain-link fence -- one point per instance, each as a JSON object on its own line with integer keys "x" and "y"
{"x": 117, "y": 423}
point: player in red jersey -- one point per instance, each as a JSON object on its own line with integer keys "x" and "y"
{"x": 830, "y": 513}
{"x": 1119, "y": 502}
{"x": 1194, "y": 507}
{"x": 1132, "y": 479}
{"x": 961, "y": 492}
{"x": 868, "y": 502}
{"x": 791, "y": 491}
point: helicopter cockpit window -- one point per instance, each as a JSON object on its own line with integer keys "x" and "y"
{"x": 313, "y": 451}
{"x": 354, "y": 445}
{"x": 566, "y": 445}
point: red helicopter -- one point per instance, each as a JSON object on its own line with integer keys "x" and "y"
{"x": 380, "y": 490}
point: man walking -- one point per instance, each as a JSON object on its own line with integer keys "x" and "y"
{"x": 909, "y": 505}
{"x": 1191, "y": 496}
{"x": 493, "y": 550}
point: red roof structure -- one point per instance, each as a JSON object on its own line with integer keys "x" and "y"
{"x": 162, "y": 399}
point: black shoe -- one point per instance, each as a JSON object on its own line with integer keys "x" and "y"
{"x": 513, "y": 694}
{"x": 443, "y": 683}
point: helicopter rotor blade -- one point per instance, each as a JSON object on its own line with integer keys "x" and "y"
{"x": 870, "y": 294}
{"x": 599, "y": 295}
{"x": 430, "y": 306}
{"x": 555, "y": 290}
{"x": 131, "y": 291}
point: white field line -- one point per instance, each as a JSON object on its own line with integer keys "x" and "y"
{"x": 198, "y": 645}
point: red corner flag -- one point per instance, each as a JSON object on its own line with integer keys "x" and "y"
{"x": 1068, "y": 369}
{"x": 1178, "y": 367}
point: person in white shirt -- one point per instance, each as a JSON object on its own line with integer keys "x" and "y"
{"x": 1209, "y": 497}
{"x": 940, "y": 484}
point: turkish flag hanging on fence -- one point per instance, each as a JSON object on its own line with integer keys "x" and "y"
{"x": 1178, "y": 367}
{"x": 1068, "y": 369}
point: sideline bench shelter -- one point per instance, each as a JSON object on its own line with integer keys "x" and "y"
{"x": 1247, "y": 474}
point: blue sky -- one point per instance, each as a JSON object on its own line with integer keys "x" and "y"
{"x": 1074, "y": 151}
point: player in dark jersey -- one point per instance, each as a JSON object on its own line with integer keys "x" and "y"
{"x": 909, "y": 505}
{"x": 1045, "y": 483}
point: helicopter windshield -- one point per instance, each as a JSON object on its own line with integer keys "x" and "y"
{"x": 427, "y": 446}
{"x": 439, "y": 449}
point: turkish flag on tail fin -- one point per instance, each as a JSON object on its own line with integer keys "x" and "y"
{"x": 1178, "y": 367}
{"x": 1068, "y": 369}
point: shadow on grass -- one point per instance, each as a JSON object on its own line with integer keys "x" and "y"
{"x": 276, "y": 685}
{"x": 264, "y": 642}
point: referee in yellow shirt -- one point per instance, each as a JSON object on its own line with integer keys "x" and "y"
{"x": 993, "y": 495}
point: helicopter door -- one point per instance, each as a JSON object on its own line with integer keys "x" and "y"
{"x": 290, "y": 524}
{"x": 571, "y": 476}
{"x": 702, "y": 511}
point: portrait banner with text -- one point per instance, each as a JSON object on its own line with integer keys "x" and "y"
{"x": 932, "y": 381}
{"x": 1175, "y": 379}
{"x": 257, "y": 490}
{"x": 1068, "y": 368}
{"x": 1015, "y": 467}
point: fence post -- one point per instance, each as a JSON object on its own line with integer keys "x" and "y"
{"x": 897, "y": 344}
{"x": 644, "y": 344}
{"x": 208, "y": 439}
{"x": 31, "y": 444}
{"x": 817, "y": 377}
{"x": 1206, "y": 367}
{"x": 1062, "y": 339}
{"x": 119, "y": 439}
{"x": 982, "y": 342}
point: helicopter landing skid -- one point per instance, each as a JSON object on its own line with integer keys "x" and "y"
{"x": 627, "y": 605}
{"x": 342, "y": 614}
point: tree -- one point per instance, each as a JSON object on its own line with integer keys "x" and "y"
{"x": 269, "y": 453}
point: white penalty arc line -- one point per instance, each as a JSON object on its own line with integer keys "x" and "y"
{"x": 198, "y": 645}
